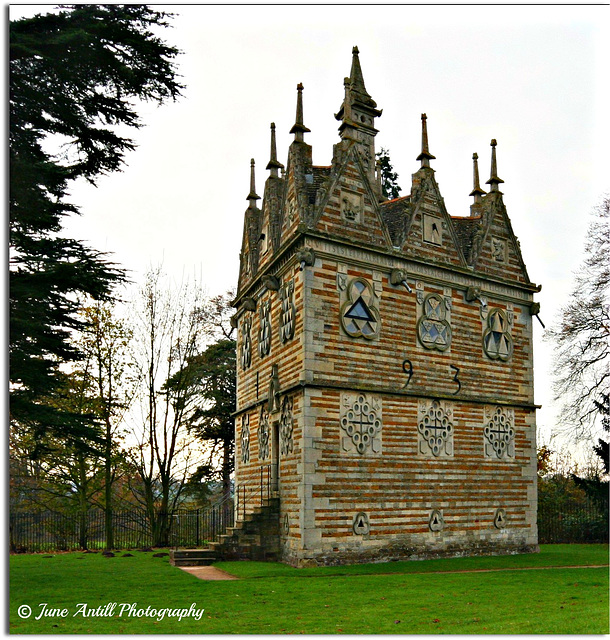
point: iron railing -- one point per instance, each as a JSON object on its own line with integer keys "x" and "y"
{"x": 50, "y": 531}
{"x": 248, "y": 497}
{"x": 581, "y": 523}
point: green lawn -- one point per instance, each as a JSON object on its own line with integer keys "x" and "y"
{"x": 398, "y": 597}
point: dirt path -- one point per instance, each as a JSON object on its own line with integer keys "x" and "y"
{"x": 208, "y": 573}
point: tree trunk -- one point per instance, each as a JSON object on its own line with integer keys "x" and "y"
{"x": 108, "y": 490}
{"x": 83, "y": 505}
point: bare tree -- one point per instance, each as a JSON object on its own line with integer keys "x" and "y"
{"x": 168, "y": 333}
{"x": 582, "y": 337}
{"x": 106, "y": 341}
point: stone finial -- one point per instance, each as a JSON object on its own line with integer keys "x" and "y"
{"x": 273, "y": 165}
{"x": 357, "y": 79}
{"x": 299, "y": 128}
{"x": 252, "y": 197}
{"x": 494, "y": 181}
{"x": 425, "y": 156}
{"x": 356, "y": 95}
{"x": 477, "y": 192}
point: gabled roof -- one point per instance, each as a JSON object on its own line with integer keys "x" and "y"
{"x": 393, "y": 213}
{"x": 465, "y": 228}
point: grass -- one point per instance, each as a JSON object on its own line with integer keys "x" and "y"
{"x": 399, "y": 598}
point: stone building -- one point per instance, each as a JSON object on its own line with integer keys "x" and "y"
{"x": 385, "y": 403}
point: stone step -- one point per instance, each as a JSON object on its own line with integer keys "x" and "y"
{"x": 193, "y": 562}
{"x": 191, "y": 553}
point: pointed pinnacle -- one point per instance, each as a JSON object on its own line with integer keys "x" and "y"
{"x": 425, "y": 156}
{"x": 273, "y": 165}
{"x": 299, "y": 128}
{"x": 252, "y": 195}
{"x": 477, "y": 192}
{"x": 494, "y": 181}
{"x": 356, "y": 80}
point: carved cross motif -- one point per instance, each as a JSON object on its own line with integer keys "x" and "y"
{"x": 436, "y": 429}
{"x": 499, "y": 433}
{"x": 263, "y": 434}
{"x": 286, "y": 441}
{"x": 245, "y": 438}
{"x": 362, "y": 423}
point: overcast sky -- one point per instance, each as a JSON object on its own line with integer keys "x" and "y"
{"x": 534, "y": 78}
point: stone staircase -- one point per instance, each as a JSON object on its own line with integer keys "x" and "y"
{"x": 256, "y": 537}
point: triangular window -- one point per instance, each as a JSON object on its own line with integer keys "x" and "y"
{"x": 360, "y": 311}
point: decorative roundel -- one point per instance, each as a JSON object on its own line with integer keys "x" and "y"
{"x": 436, "y": 521}
{"x": 497, "y": 340}
{"x": 361, "y": 423}
{"x": 433, "y": 330}
{"x": 500, "y": 519}
{"x": 361, "y": 526}
{"x": 359, "y": 315}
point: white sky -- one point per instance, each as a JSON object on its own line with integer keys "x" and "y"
{"x": 533, "y": 77}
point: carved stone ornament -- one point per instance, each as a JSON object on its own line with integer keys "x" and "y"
{"x": 500, "y": 519}
{"x": 263, "y": 434}
{"x": 286, "y": 427}
{"x": 497, "y": 339}
{"x": 436, "y": 521}
{"x": 498, "y": 249}
{"x": 435, "y": 429}
{"x": 264, "y": 331}
{"x": 291, "y": 212}
{"x": 288, "y": 312}
{"x": 273, "y": 395}
{"x": 342, "y": 281}
{"x": 499, "y": 433}
{"x": 305, "y": 257}
{"x": 361, "y": 423}
{"x": 285, "y": 524}
{"x": 351, "y": 206}
{"x": 359, "y": 314}
{"x": 433, "y": 328}
{"x": 245, "y": 347}
{"x": 245, "y": 438}
{"x": 360, "y": 525}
